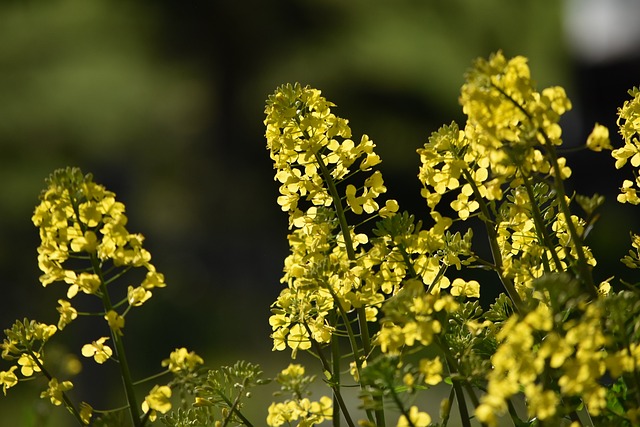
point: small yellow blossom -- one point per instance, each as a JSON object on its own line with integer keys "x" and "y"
{"x": 604, "y": 288}
{"x": 470, "y": 289}
{"x": 598, "y": 140}
{"x": 67, "y": 313}
{"x": 137, "y": 296}
{"x": 181, "y": 360}
{"x": 86, "y": 282}
{"x": 628, "y": 193}
{"x": 298, "y": 339}
{"x": 86, "y": 412}
{"x": 29, "y": 365}
{"x": 308, "y": 412}
{"x": 8, "y": 379}
{"x": 389, "y": 209}
{"x": 88, "y": 242}
{"x": 158, "y": 400}
{"x": 115, "y": 321}
{"x": 432, "y": 370}
{"x": 98, "y": 350}
{"x": 464, "y": 206}
{"x": 408, "y": 381}
{"x": 56, "y": 390}
{"x": 541, "y": 403}
{"x": 418, "y": 419}
{"x": 153, "y": 280}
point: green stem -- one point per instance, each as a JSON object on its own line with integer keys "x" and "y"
{"x": 119, "y": 345}
{"x": 350, "y": 335}
{"x": 493, "y": 244}
{"x": 234, "y": 410}
{"x": 462, "y": 404}
{"x": 334, "y": 382}
{"x": 65, "y": 398}
{"x": 407, "y": 261}
{"x": 454, "y": 367}
{"x": 335, "y": 373}
{"x": 400, "y": 406}
{"x": 152, "y": 377}
{"x": 539, "y": 223}
{"x": 346, "y": 233}
{"x": 439, "y": 275}
{"x": 513, "y": 414}
{"x": 234, "y": 407}
{"x": 120, "y": 351}
{"x": 584, "y": 271}
{"x": 447, "y": 413}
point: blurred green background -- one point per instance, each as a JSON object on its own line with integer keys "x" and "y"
{"x": 163, "y": 102}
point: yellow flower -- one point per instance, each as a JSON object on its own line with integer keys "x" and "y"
{"x": 86, "y": 412}
{"x": 470, "y": 289}
{"x": 293, "y": 370}
{"x": 115, "y": 321}
{"x": 389, "y": 209}
{"x": 354, "y": 202}
{"x": 98, "y": 350}
{"x": 86, "y": 282}
{"x": 278, "y": 414}
{"x": 309, "y": 413}
{"x": 298, "y": 339}
{"x": 279, "y": 337}
{"x": 541, "y": 403}
{"x": 628, "y": 193}
{"x": 55, "y": 391}
{"x": 464, "y": 206}
{"x": 8, "y": 379}
{"x": 598, "y": 140}
{"x": 153, "y": 280}
{"x": 67, "y": 313}
{"x": 85, "y": 243}
{"x": 28, "y": 364}
{"x": 432, "y": 370}
{"x": 42, "y": 331}
{"x": 418, "y": 419}
{"x": 181, "y": 360}
{"x": 158, "y": 400}
{"x": 486, "y": 414}
{"x": 137, "y": 296}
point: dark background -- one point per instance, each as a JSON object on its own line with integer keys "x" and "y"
{"x": 163, "y": 102}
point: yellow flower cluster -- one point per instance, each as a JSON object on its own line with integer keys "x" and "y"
{"x": 182, "y": 360}
{"x": 508, "y": 123}
{"x": 413, "y": 317}
{"x": 80, "y": 221}
{"x": 553, "y": 338}
{"x": 330, "y": 262}
{"x": 306, "y": 142}
{"x": 525, "y": 254}
{"x": 306, "y": 412}
{"x": 509, "y": 137}
{"x": 313, "y": 154}
{"x": 572, "y": 355}
{"x": 629, "y": 124}
{"x": 298, "y": 408}
{"x": 24, "y": 344}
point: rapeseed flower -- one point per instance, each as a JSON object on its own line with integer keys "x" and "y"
{"x": 98, "y": 350}
{"x": 55, "y": 390}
